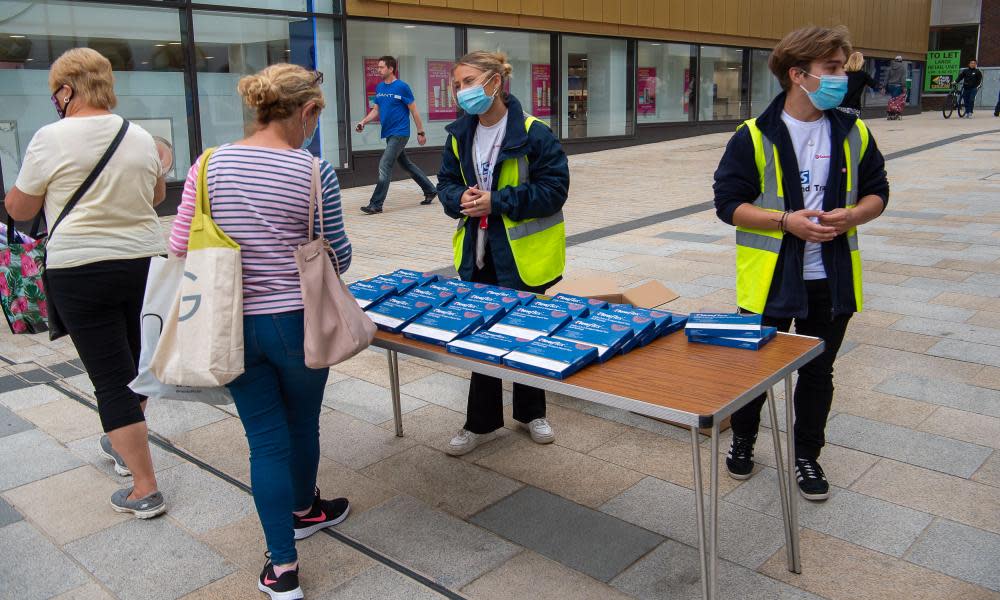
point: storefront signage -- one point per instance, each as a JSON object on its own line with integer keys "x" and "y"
{"x": 942, "y": 69}
{"x": 646, "y": 90}
{"x": 541, "y": 90}
{"x": 372, "y": 79}
{"x": 440, "y": 101}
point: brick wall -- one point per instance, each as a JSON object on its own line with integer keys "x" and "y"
{"x": 989, "y": 34}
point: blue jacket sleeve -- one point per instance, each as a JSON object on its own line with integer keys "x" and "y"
{"x": 736, "y": 179}
{"x": 873, "y": 178}
{"x": 450, "y": 184}
{"x": 548, "y": 184}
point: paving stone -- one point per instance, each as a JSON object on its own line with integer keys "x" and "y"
{"x": 366, "y": 401}
{"x": 201, "y": 501}
{"x": 530, "y": 575}
{"x": 914, "y": 447}
{"x": 241, "y": 585}
{"x": 961, "y": 396}
{"x": 222, "y": 444}
{"x": 933, "y": 286}
{"x": 965, "y": 426}
{"x": 583, "y": 539}
{"x": 442, "y": 389}
{"x": 372, "y": 366}
{"x": 690, "y": 237}
{"x": 38, "y": 456}
{"x": 598, "y": 253}
{"x": 9, "y": 383}
{"x": 8, "y": 514}
{"x": 901, "y": 292}
{"x": 11, "y": 423}
{"x": 595, "y": 264}
{"x": 877, "y": 406}
{"x": 919, "y": 309}
{"x": 171, "y": 418}
{"x": 691, "y": 290}
{"x": 913, "y": 214}
{"x": 37, "y": 376}
{"x": 672, "y": 571}
{"x": 450, "y": 551}
{"x": 65, "y": 369}
{"x": 379, "y": 583}
{"x": 961, "y": 551}
{"x": 910, "y": 362}
{"x": 355, "y": 443}
{"x": 850, "y": 516}
{"x": 81, "y": 383}
{"x": 88, "y": 450}
{"x": 574, "y": 429}
{"x": 32, "y": 567}
{"x": 171, "y": 562}
{"x": 90, "y": 591}
{"x": 29, "y": 396}
{"x": 989, "y": 473}
{"x": 64, "y": 419}
{"x": 983, "y": 354}
{"x": 967, "y": 332}
{"x": 840, "y": 570}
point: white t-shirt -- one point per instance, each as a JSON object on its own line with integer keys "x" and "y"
{"x": 486, "y": 148}
{"x": 115, "y": 219}
{"x": 811, "y": 141}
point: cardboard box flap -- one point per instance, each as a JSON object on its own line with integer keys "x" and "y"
{"x": 602, "y": 288}
{"x": 649, "y": 295}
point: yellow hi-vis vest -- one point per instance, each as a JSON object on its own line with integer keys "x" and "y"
{"x": 757, "y": 249}
{"x": 538, "y": 245}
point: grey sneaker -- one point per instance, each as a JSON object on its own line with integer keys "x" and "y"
{"x": 111, "y": 454}
{"x": 143, "y": 508}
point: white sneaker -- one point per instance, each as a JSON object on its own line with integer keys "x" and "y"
{"x": 540, "y": 430}
{"x": 464, "y": 442}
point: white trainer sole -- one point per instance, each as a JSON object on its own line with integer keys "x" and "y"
{"x": 295, "y": 594}
{"x": 123, "y": 471}
{"x": 301, "y": 534}
{"x": 141, "y": 514}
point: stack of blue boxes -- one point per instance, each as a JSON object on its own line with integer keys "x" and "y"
{"x": 728, "y": 329}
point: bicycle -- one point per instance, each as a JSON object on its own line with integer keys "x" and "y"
{"x": 953, "y": 101}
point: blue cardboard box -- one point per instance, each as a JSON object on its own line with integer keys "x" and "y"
{"x": 591, "y": 303}
{"x": 553, "y": 358}
{"x": 459, "y": 287}
{"x": 507, "y": 301}
{"x": 575, "y": 309}
{"x": 486, "y": 345}
{"x": 442, "y": 325}
{"x": 403, "y": 284}
{"x": 395, "y": 313}
{"x": 608, "y": 338}
{"x": 524, "y": 298}
{"x": 421, "y": 278}
{"x": 724, "y": 325}
{"x": 527, "y": 322}
{"x": 435, "y": 298}
{"x": 677, "y": 322}
{"x": 369, "y": 294}
{"x": 767, "y": 334}
{"x": 661, "y": 319}
{"x": 642, "y": 327}
{"x": 440, "y": 286}
{"x": 491, "y": 311}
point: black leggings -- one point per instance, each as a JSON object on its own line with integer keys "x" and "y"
{"x": 101, "y": 305}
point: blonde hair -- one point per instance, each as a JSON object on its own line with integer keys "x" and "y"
{"x": 802, "y": 46}
{"x": 277, "y": 91}
{"x": 855, "y": 62}
{"x": 88, "y": 73}
{"x": 493, "y": 63}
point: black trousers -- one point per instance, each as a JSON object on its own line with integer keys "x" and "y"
{"x": 814, "y": 390}
{"x": 101, "y": 305}
{"x": 485, "y": 410}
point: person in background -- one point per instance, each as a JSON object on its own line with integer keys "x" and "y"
{"x": 394, "y": 104}
{"x": 98, "y": 257}
{"x": 797, "y": 255}
{"x": 259, "y": 190}
{"x": 971, "y": 79}
{"x": 857, "y": 80}
{"x": 895, "y": 80}
{"x": 483, "y": 183}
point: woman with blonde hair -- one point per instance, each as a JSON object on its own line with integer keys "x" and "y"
{"x": 857, "y": 80}
{"x": 501, "y": 168}
{"x": 98, "y": 249}
{"x": 259, "y": 190}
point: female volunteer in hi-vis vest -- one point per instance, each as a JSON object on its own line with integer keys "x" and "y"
{"x": 797, "y": 181}
{"x": 505, "y": 177}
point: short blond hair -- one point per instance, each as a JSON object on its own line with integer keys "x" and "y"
{"x": 277, "y": 91}
{"x": 88, "y": 73}
{"x": 493, "y": 63}
{"x": 855, "y": 62}
{"x": 802, "y": 46}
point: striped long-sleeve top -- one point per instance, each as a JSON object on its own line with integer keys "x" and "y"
{"x": 260, "y": 198}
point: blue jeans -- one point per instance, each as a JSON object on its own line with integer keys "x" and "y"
{"x": 893, "y": 90}
{"x": 395, "y": 150}
{"x": 278, "y": 399}
{"x": 969, "y": 98}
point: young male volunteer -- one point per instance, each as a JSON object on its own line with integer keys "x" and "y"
{"x": 394, "y": 104}
{"x": 796, "y": 182}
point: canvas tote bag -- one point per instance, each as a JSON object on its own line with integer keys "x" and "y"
{"x": 202, "y": 340}
{"x": 335, "y": 326}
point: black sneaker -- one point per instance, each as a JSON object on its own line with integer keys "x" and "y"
{"x": 428, "y": 198}
{"x": 323, "y": 514}
{"x": 812, "y": 482}
{"x": 285, "y": 587}
{"x": 371, "y": 210}
{"x": 739, "y": 461}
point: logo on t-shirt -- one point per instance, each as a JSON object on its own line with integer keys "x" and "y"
{"x": 804, "y": 177}
{"x": 822, "y": 157}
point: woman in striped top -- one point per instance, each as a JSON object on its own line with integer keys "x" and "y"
{"x": 259, "y": 191}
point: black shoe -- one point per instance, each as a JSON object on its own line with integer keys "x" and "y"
{"x": 812, "y": 482}
{"x": 371, "y": 210}
{"x": 285, "y": 587}
{"x": 428, "y": 198}
{"x": 739, "y": 461}
{"x": 323, "y": 514}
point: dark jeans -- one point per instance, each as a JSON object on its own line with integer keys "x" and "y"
{"x": 395, "y": 150}
{"x": 814, "y": 390}
{"x": 969, "y": 98}
{"x": 893, "y": 90}
{"x": 485, "y": 411}
{"x": 101, "y": 306}
{"x": 278, "y": 399}
{"x": 996, "y": 111}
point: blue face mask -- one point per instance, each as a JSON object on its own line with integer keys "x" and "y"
{"x": 474, "y": 100}
{"x": 830, "y": 93}
{"x": 308, "y": 140}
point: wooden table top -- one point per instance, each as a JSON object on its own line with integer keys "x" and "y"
{"x": 667, "y": 378}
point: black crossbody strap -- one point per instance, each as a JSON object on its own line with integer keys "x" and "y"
{"x": 89, "y": 181}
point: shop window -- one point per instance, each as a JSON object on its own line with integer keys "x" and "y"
{"x": 595, "y": 102}
{"x": 530, "y": 56}
{"x": 764, "y": 86}
{"x": 665, "y": 82}
{"x": 720, "y": 90}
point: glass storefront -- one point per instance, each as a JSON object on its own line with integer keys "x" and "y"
{"x": 720, "y": 90}
{"x": 595, "y": 80}
{"x": 764, "y": 86}
{"x": 530, "y": 55}
{"x": 664, "y": 84}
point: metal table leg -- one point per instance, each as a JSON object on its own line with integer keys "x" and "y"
{"x": 699, "y": 508}
{"x": 782, "y": 479}
{"x": 397, "y": 410}
{"x": 793, "y": 492}
{"x": 713, "y": 573}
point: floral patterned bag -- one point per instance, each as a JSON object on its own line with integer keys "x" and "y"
{"x": 22, "y": 293}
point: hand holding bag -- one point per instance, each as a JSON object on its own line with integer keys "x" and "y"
{"x": 335, "y": 326}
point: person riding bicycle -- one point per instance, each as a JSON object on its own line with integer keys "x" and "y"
{"x": 972, "y": 79}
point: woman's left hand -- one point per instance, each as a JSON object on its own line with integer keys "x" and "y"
{"x": 477, "y": 203}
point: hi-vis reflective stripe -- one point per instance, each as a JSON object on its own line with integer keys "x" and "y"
{"x": 757, "y": 241}
{"x": 852, "y": 149}
{"x": 852, "y": 242}
{"x": 527, "y": 228}
{"x": 769, "y": 198}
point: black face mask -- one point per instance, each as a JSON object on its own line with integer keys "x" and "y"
{"x": 61, "y": 108}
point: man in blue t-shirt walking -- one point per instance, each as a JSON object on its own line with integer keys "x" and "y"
{"x": 394, "y": 104}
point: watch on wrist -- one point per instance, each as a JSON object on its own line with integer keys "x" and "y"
{"x": 421, "y": 133}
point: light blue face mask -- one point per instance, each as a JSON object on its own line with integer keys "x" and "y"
{"x": 474, "y": 100}
{"x": 830, "y": 93}
{"x": 308, "y": 140}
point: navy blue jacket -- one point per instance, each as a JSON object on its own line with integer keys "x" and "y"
{"x": 543, "y": 195}
{"x": 737, "y": 181}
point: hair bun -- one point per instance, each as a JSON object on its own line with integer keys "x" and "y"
{"x": 258, "y": 91}
{"x": 508, "y": 70}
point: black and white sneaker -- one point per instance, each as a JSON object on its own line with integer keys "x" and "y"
{"x": 812, "y": 481}
{"x": 739, "y": 461}
{"x": 285, "y": 587}
{"x": 323, "y": 514}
